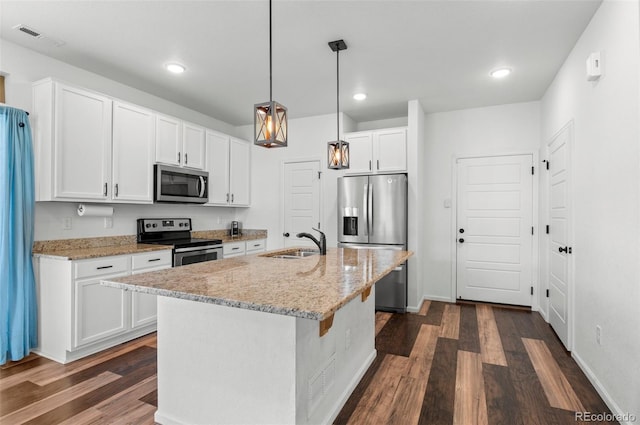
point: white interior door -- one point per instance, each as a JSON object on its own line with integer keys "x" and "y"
{"x": 494, "y": 229}
{"x": 559, "y": 251}
{"x": 301, "y": 201}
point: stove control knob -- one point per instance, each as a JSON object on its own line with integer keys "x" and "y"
{"x": 148, "y": 225}
{"x": 155, "y": 224}
{"x": 181, "y": 224}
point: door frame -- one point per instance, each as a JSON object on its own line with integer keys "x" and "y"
{"x": 571, "y": 272}
{"x": 535, "y": 268}
{"x": 283, "y": 164}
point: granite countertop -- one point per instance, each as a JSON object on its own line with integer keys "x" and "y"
{"x": 106, "y": 246}
{"x": 313, "y": 287}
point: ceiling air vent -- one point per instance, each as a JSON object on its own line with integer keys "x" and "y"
{"x": 25, "y": 29}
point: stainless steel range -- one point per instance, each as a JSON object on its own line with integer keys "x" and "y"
{"x": 177, "y": 233}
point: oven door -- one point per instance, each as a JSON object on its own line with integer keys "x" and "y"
{"x": 187, "y": 256}
{"x": 173, "y": 184}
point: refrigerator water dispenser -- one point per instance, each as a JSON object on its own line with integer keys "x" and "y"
{"x": 350, "y": 226}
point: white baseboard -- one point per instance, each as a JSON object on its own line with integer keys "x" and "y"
{"x": 438, "y": 298}
{"x": 615, "y": 409}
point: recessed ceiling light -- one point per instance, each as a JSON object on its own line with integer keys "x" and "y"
{"x": 360, "y": 96}
{"x": 500, "y": 72}
{"x": 175, "y": 68}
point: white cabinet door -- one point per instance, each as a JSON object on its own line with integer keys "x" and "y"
{"x": 218, "y": 167}
{"x": 240, "y": 174}
{"x": 133, "y": 153}
{"x": 360, "y": 153}
{"x": 390, "y": 150}
{"x": 82, "y": 144}
{"x": 144, "y": 309}
{"x": 100, "y": 311}
{"x": 233, "y": 249}
{"x": 193, "y": 146}
{"x": 168, "y": 140}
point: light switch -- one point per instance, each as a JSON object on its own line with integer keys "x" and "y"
{"x": 594, "y": 66}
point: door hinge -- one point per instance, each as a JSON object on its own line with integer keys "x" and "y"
{"x": 532, "y": 290}
{"x": 547, "y": 293}
{"x": 532, "y": 172}
{"x": 532, "y": 230}
{"x": 547, "y": 229}
{"x": 319, "y": 174}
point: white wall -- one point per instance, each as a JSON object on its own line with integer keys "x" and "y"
{"x": 24, "y": 66}
{"x": 495, "y": 130}
{"x": 606, "y": 173}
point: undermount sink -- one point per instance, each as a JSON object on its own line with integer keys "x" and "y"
{"x": 293, "y": 254}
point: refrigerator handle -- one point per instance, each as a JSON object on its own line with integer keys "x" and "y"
{"x": 365, "y": 205}
{"x": 370, "y": 209}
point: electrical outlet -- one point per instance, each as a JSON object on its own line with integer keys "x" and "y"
{"x": 108, "y": 222}
{"x": 66, "y": 223}
{"x": 599, "y": 334}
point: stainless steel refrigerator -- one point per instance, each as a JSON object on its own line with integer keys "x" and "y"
{"x": 372, "y": 213}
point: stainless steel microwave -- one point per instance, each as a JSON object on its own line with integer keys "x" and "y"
{"x": 181, "y": 185}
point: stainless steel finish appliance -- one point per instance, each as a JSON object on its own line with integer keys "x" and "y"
{"x": 173, "y": 184}
{"x": 372, "y": 213}
{"x": 176, "y": 232}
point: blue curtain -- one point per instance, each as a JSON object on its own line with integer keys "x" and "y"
{"x": 18, "y": 310}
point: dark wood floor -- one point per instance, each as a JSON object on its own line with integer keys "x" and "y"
{"x": 450, "y": 364}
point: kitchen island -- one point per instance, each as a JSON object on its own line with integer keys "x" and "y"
{"x": 261, "y": 339}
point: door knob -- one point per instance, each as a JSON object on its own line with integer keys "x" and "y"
{"x": 461, "y": 240}
{"x": 461, "y": 230}
{"x": 561, "y": 249}
{"x": 286, "y": 234}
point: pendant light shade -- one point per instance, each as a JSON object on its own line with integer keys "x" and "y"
{"x": 270, "y": 118}
{"x": 338, "y": 150}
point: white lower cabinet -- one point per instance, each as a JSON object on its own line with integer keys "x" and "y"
{"x": 78, "y": 316}
{"x": 240, "y": 248}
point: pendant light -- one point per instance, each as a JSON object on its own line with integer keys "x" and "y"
{"x": 338, "y": 151}
{"x": 270, "y": 118}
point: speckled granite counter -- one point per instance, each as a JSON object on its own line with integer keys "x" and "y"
{"x": 84, "y": 248}
{"x": 313, "y": 287}
{"x": 247, "y": 235}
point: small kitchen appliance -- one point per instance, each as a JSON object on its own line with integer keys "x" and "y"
{"x": 235, "y": 229}
{"x": 176, "y": 232}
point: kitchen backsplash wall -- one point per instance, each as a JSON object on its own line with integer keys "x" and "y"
{"x": 50, "y": 219}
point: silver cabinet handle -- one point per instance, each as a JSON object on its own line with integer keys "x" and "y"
{"x": 232, "y": 198}
{"x": 106, "y": 188}
{"x": 369, "y": 165}
{"x": 115, "y": 190}
{"x": 378, "y": 164}
{"x": 227, "y": 197}
{"x": 178, "y": 157}
{"x": 154, "y": 259}
{"x": 103, "y": 267}
{"x": 186, "y": 158}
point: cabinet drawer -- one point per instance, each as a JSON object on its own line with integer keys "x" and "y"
{"x": 257, "y": 245}
{"x": 101, "y": 266}
{"x": 233, "y": 248}
{"x": 151, "y": 259}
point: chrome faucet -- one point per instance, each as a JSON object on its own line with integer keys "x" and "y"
{"x": 322, "y": 243}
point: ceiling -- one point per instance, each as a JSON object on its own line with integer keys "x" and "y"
{"x": 440, "y": 52}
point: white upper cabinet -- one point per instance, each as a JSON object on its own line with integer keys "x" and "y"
{"x": 73, "y": 143}
{"x": 228, "y": 164}
{"x": 378, "y": 151}
{"x": 218, "y": 168}
{"x": 168, "y": 140}
{"x": 239, "y": 171}
{"x": 133, "y": 153}
{"x": 360, "y": 152}
{"x": 179, "y": 143}
{"x": 193, "y": 146}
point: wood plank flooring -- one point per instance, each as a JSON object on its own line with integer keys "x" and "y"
{"x": 449, "y": 364}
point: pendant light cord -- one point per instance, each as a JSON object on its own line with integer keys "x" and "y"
{"x": 270, "y": 60}
{"x": 337, "y": 95}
